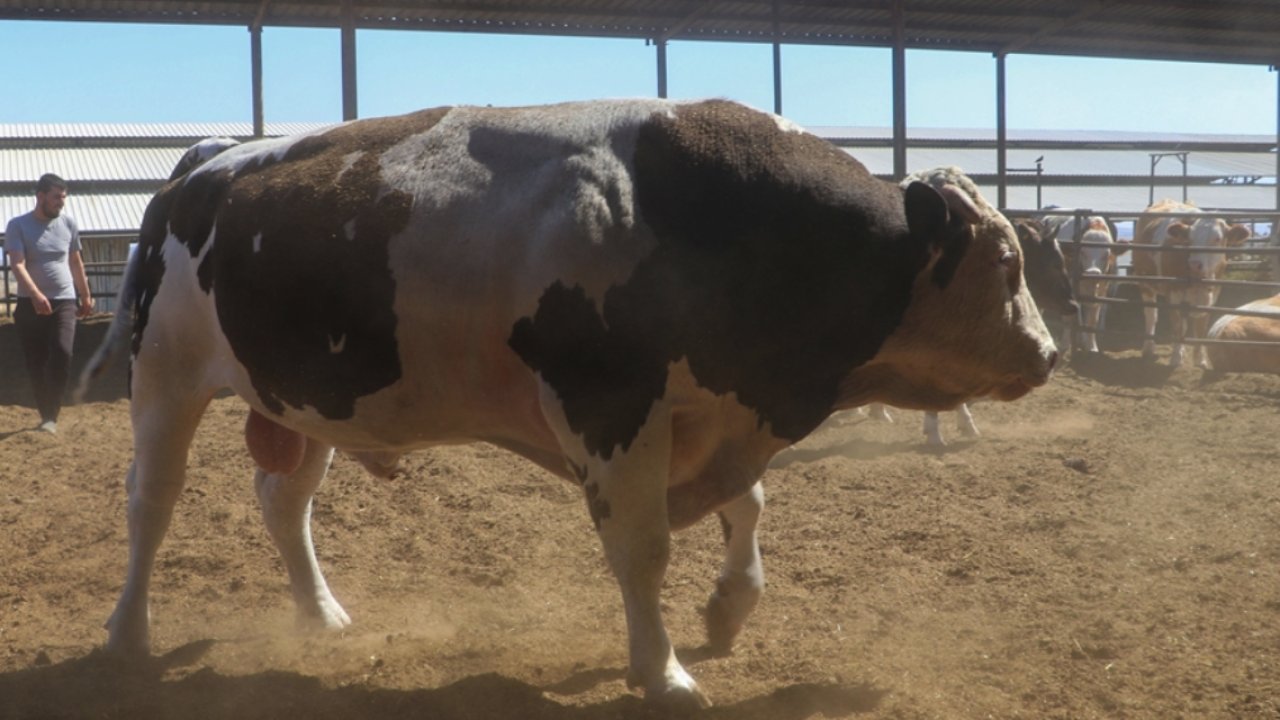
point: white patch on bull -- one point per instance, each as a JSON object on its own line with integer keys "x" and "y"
{"x": 786, "y": 125}
{"x": 237, "y": 157}
{"x": 336, "y": 346}
{"x": 348, "y": 161}
{"x": 257, "y": 243}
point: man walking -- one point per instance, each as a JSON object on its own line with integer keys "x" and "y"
{"x": 43, "y": 247}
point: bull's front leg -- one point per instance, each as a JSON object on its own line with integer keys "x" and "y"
{"x": 741, "y": 580}
{"x": 286, "y": 510}
{"x": 626, "y": 495}
{"x": 1200, "y": 331}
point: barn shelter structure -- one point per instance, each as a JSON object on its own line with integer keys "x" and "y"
{"x": 1225, "y": 31}
{"x": 113, "y": 170}
{"x": 116, "y": 168}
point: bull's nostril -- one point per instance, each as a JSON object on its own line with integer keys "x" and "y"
{"x": 1053, "y": 360}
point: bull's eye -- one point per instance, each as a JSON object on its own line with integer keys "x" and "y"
{"x": 1008, "y": 259}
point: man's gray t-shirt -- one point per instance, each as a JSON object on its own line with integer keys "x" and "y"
{"x": 45, "y": 246}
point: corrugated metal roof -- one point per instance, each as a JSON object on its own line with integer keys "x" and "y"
{"x": 106, "y": 212}
{"x": 78, "y": 165}
{"x": 158, "y": 131}
{"x": 1238, "y": 31}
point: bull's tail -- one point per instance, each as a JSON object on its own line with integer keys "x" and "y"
{"x": 121, "y": 325}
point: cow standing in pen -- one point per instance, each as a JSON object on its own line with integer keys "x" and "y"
{"x": 647, "y": 298}
{"x": 1096, "y": 256}
{"x": 1196, "y": 270}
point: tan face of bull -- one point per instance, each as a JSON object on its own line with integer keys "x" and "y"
{"x": 980, "y": 335}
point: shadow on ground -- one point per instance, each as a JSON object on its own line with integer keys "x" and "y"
{"x": 96, "y": 686}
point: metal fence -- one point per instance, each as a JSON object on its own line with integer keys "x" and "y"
{"x": 1259, "y": 256}
{"x": 106, "y": 256}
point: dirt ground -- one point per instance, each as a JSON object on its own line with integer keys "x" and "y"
{"x": 1109, "y": 548}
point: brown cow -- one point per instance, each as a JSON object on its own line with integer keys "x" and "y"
{"x": 1197, "y": 269}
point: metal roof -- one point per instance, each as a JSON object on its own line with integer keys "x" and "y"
{"x": 24, "y": 165}
{"x": 175, "y": 134}
{"x": 94, "y": 213}
{"x": 1232, "y": 31}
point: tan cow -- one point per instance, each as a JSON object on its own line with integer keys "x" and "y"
{"x": 1197, "y": 268}
{"x": 1236, "y": 358}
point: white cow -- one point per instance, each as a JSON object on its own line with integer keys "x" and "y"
{"x": 647, "y": 298}
{"x": 1092, "y": 261}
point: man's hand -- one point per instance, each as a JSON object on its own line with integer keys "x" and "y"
{"x": 41, "y": 304}
{"x": 86, "y": 307}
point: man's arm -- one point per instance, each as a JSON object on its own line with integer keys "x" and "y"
{"x": 18, "y": 265}
{"x": 81, "y": 280}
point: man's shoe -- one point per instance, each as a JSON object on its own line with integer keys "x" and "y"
{"x": 49, "y": 426}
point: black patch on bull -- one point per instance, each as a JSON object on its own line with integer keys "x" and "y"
{"x": 299, "y": 267}
{"x": 780, "y": 265}
{"x": 149, "y": 261}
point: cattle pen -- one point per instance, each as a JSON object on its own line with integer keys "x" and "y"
{"x": 1258, "y": 256}
{"x": 1120, "y": 328}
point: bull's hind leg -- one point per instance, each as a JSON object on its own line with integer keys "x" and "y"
{"x": 741, "y": 579}
{"x": 286, "y": 510}
{"x": 626, "y": 494}
{"x": 163, "y": 426}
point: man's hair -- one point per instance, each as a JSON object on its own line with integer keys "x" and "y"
{"x": 49, "y": 181}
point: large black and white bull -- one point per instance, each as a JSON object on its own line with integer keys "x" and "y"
{"x": 647, "y": 298}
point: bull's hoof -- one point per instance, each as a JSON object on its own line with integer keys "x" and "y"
{"x": 721, "y": 629}
{"x": 326, "y": 615}
{"x": 681, "y": 701}
{"x": 126, "y": 640}
{"x": 678, "y": 699}
{"x": 677, "y": 694}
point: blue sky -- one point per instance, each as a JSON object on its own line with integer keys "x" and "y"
{"x": 100, "y": 72}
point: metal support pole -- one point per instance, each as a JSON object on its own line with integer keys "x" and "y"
{"x": 1276, "y": 70}
{"x": 348, "y": 62}
{"x": 1002, "y": 138}
{"x": 255, "y": 63}
{"x": 662, "y": 66}
{"x": 777, "y": 63}
{"x": 899, "y": 92}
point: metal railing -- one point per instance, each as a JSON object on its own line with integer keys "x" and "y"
{"x": 104, "y": 300}
{"x": 1264, "y": 247}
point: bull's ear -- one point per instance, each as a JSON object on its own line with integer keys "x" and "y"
{"x": 1026, "y": 235}
{"x": 926, "y": 214}
{"x": 1236, "y": 235}
{"x": 1119, "y": 247}
{"x": 1180, "y": 232}
{"x": 930, "y": 215}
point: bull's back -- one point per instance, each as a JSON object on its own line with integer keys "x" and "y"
{"x": 368, "y": 278}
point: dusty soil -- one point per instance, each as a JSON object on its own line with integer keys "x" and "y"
{"x": 1109, "y": 548}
